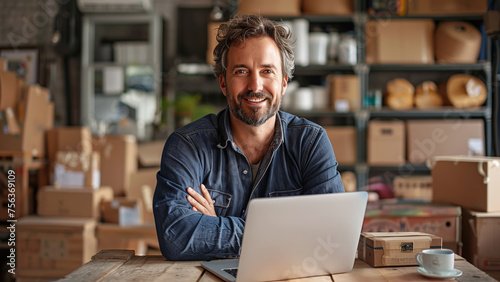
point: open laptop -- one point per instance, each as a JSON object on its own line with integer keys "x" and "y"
{"x": 297, "y": 236}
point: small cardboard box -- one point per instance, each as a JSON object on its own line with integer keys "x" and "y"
{"x": 345, "y": 93}
{"x": 480, "y": 236}
{"x": 77, "y": 170}
{"x": 389, "y": 42}
{"x": 328, "y": 7}
{"x": 149, "y": 153}
{"x": 49, "y": 247}
{"x": 394, "y": 248}
{"x": 386, "y": 142}
{"x": 122, "y": 211}
{"x": 471, "y": 182}
{"x": 446, "y": 7}
{"x": 142, "y": 187}
{"x": 77, "y": 202}
{"x": 443, "y": 220}
{"x": 269, "y": 8}
{"x": 9, "y": 92}
{"x": 430, "y": 138}
{"x": 118, "y": 160}
{"x": 344, "y": 143}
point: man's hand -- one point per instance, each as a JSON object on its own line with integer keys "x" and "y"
{"x": 203, "y": 204}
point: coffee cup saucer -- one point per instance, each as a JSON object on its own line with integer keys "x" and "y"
{"x": 449, "y": 274}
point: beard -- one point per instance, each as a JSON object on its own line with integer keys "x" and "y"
{"x": 257, "y": 116}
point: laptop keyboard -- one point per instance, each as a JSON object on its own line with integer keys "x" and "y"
{"x": 231, "y": 271}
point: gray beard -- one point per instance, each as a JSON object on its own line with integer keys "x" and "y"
{"x": 252, "y": 119}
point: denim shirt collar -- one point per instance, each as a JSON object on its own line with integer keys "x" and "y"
{"x": 226, "y": 135}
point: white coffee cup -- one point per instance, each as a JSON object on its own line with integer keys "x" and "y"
{"x": 436, "y": 261}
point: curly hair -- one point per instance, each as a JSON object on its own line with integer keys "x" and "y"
{"x": 240, "y": 27}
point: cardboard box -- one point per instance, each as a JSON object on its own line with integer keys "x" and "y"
{"x": 269, "y": 8}
{"x": 413, "y": 187}
{"x": 142, "y": 186}
{"x": 34, "y": 119}
{"x": 430, "y": 138}
{"x": 328, "y": 7}
{"x": 446, "y": 7}
{"x": 149, "y": 153}
{"x": 471, "y": 182}
{"x": 118, "y": 160}
{"x": 386, "y": 142}
{"x": 78, "y": 202}
{"x": 344, "y": 142}
{"x": 77, "y": 170}
{"x": 389, "y": 42}
{"x": 138, "y": 238}
{"x": 442, "y": 220}
{"x": 67, "y": 138}
{"x": 49, "y": 247}
{"x": 394, "y": 248}
{"x": 122, "y": 211}
{"x": 480, "y": 236}
{"x": 344, "y": 90}
{"x": 9, "y": 92}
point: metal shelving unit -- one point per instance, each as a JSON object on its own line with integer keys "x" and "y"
{"x": 140, "y": 71}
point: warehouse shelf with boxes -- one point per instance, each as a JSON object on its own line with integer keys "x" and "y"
{"x": 380, "y": 90}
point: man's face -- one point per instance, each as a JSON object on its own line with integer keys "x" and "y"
{"x": 254, "y": 82}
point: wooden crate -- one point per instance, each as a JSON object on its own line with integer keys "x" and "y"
{"x": 49, "y": 247}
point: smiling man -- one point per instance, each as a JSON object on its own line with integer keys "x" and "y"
{"x": 213, "y": 167}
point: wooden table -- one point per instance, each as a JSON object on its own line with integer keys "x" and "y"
{"x": 124, "y": 265}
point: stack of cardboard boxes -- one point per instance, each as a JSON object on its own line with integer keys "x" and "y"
{"x": 93, "y": 186}
{"x": 473, "y": 183}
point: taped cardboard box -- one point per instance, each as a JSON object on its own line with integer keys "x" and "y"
{"x": 122, "y": 211}
{"x": 389, "y": 42}
{"x": 386, "y": 142}
{"x": 49, "y": 247}
{"x": 394, "y": 248}
{"x": 76, "y": 202}
{"x": 118, "y": 154}
{"x": 429, "y": 138}
{"x": 443, "y": 220}
{"x": 9, "y": 91}
{"x": 471, "y": 182}
{"x": 344, "y": 143}
{"x": 269, "y": 8}
{"x": 34, "y": 118}
{"x": 77, "y": 170}
{"x": 480, "y": 236}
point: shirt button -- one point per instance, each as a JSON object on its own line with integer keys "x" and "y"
{"x": 245, "y": 171}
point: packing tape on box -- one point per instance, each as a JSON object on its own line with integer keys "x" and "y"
{"x": 457, "y": 42}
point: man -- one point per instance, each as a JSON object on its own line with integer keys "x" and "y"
{"x": 213, "y": 167}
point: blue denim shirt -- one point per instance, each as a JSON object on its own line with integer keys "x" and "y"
{"x": 300, "y": 161}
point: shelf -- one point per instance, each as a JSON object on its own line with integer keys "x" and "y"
{"x": 442, "y": 112}
{"x": 480, "y": 66}
{"x": 317, "y": 18}
{"x": 477, "y": 17}
{"x": 323, "y": 113}
{"x": 322, "y": 69}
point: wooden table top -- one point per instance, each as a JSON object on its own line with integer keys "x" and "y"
{"x": 124, "y": 265}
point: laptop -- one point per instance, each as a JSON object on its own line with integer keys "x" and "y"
{"x": 296, "y": 237}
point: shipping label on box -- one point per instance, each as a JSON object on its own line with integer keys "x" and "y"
{"x": 471, "y": 182}
{"x": 394, "y": 248}
{"x": 123, "y": 211}
{"x": 74, "y": 169}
